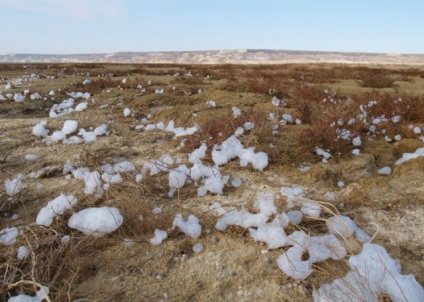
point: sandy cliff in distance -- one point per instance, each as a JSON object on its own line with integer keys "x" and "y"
{"x": 238, "y": 56}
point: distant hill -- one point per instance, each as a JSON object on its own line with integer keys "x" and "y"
{"x": 237, "y": 56}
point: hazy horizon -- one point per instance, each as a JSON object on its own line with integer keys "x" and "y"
{"x": 59, "y": 27}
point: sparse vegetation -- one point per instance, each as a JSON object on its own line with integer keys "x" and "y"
{"x": 286, "y": 111}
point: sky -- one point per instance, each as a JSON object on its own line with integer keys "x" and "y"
{"x": 106, "y": 26}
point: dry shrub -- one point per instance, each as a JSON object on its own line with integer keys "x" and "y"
{"x": 96, "y": 86}
{"x": 377, "y": 81}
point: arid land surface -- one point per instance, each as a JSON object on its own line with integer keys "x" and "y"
{"x": 232, "y": 266}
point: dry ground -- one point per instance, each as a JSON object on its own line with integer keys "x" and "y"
{"x": 232, "y": 267}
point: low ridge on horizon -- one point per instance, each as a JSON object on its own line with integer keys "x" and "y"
{"x": 232, "y": 56}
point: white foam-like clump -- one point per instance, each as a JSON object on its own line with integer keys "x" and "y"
{"x": 158, "y": 165}
{"x": 8, "y": 235}
{"x": 18, "y": 97}
{"x": 323, "y": 153}
{"x": 191, "y": 227}
{"x": 39, "y": 130}
{"x": 177, "y": 178}
{"x": 111, "y": 178}
{"x": 70, "y": 126}
{"x": 14, "y": 186}
{"x": 232, "y": 148}
{"x": 159, "y": 237}
{"x": 73, "y": 140}
{"x": 346, "y": 227}
{"x": 198, "y": 154}
{"x": 180, "y": 131}
{"x": 357, "y": 141}
{"x": 55, "y": 137}
{"x": 239, "y": 131}
{"x": 127, "y": 112}
{"x": 236, "y": 112}
{"x": 304, "y": 169}
{"x": 81, "y": 106}
{"x": 291, "y": 262}
{"x": 54, "y": 208}
{"x": 264, "y": 204}
{"x": 356, "y": 152}
{"x": 41, "y": 294}
{"x": 125, "y": 166}
{"x": 211, "y": 103}
{"x": 23, "y": 252}
{"x": 236, "y": 182}
{"x": 93, "y": 184}
{"x": 407, "y": 156}
{"x": 101, "y": 130}
{"x": 229, "y": 149}
{"x": 197, "y": 248}
{"x": 31, "y": 156}
{"x": 287, "y": 118}
{"x": 241, "y": 218}
{"x": 385, "y": 171}
{"x": 295, "y": 217}
{"x": 275, "y": 101}
{"x": 35, "y": 96}
{"x": 79, "y": 95}
{"x": 396, "y": 119}
{"x": 259, "y": 160}
{"x": 320, "y": 248}
{"x": 91, "y": 136}
{"x": 273, "y": 235}
{"x": 295, "y": 199}
{"x": 96, "y": 222}
{"x": 417, "y": 130}
{"x": 214, "y": 184}
{"x": 373, "y": 274}
{"x": 61, "y": 109}
{"x": 248, "y": 126}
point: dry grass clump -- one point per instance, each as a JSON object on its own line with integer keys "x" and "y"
{"x": 95, "y": 87}
{"x": 61, "y": 264}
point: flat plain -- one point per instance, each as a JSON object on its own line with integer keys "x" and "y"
{"x": 366, "y": 117}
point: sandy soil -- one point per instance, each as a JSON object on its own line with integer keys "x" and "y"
{"x": 232, "y": 266}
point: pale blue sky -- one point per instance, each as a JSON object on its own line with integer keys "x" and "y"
{"x": 103, "y": 26}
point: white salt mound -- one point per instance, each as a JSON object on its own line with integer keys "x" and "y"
{"x": 14, "y": 186}
{"x": 96, "y": 222}
{"x": 236, "y": 182}
{"x": 373, "y": 274}
{"x": 407, "y": 156}
{"x": 346, "y": 227}
{"x": 81, "y": 106}
{"x": 31, "y": 157}
{"x": 191, "y": 227}
{"x": 39, "y": 130}
{"x": 18, "y": 97}
{"x": 385, "y": 171}
{"x": 160, "y": 236}
{"x": 273, "y": 236}
{"x": 197, "y": 248}
{"x": 357, "y": 141}
{"x": 127, "y": 112}
{"x": 22, "y": 252}
{"x": 70, "y": 126}
{"x": 323, "y": 153}
{"x": 54, "y": 208}
{"x": 41, "y": 294}
{"x": 8, "y": 236}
